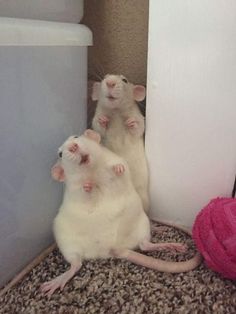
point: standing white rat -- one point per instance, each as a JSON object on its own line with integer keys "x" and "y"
{"x": 101, "y": 215}
{"x": 121, "y": 125}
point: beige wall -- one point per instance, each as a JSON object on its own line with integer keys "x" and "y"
{"x": 120, "y": 30}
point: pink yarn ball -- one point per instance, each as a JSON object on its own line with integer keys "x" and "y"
{"x": 214, "y": 233}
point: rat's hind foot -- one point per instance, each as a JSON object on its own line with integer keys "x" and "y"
{"x": 159, "y": 229}
{"x": 172, "y": 246}
{"x": 49, "y": 287}
{"x": 103, "y": 121}
{"x": 119, "y": 169}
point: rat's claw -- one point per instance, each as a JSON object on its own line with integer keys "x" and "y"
{"x": 88, "y": 186}
{"x": 119, "y": 169}
{"x": 103, "y": 121}
{"x": 131, "y": 123}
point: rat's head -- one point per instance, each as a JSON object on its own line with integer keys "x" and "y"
{"x": 115, "y": 91}
{"x": 77, "y": 154}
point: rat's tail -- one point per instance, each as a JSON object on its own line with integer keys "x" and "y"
{"x": 158, "y": 264}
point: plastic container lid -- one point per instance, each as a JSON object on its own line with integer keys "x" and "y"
{"x": 23, "y": 32}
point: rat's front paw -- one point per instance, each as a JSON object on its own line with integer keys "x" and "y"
{"x": 103, "y": 121}
{"x": 131, "y": 123}
{"x": 119, "y": 169}
{"x": 88, "y": 186}
{"x": 73, "y": 147}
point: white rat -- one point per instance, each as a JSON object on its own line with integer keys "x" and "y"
{"x": 121, "y": 125}
{"x": 101, "y": 215}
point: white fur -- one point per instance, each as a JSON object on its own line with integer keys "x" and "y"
{"x": 105, "y": 221}
{"x": 128, "y": 144}
{"x": 90, "y": 225}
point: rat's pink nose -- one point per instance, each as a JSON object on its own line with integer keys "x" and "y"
{"x": 110, "y": 84}
{"x": 73, "y": 147}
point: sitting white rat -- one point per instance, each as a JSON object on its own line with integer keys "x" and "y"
{"x": 121, "y": 125}
{"x": 101, "y": 215}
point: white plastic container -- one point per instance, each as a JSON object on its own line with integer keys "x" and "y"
{"x": 50, "y": 10}
{"x": 43, "y": 85}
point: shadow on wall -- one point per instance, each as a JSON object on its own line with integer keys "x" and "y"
{"x": 120, "y": 30}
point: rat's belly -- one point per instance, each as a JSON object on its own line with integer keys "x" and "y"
{"x": 90, "y": 236}
{"x": 117, "y": 222}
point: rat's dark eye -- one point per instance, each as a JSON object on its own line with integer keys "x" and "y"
{"x": 125, "y": 80}
{"x": 60, "y": 154}
{"x": 76, "y": 136}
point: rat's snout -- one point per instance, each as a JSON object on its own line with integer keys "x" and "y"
{"x": 110, "y": 83}
{"x": 73, "y": 147}
{"x": 112, "y": 89}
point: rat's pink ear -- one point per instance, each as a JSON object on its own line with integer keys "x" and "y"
{"x": 57, "y": 172}
{"x": 139, "y": 92}
{"x": 93, "y": 135}
{"x": 96, "y": 90}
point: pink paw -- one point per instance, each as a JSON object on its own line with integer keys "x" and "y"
{"x": 73, "y": 147}
{"x": 48, "y": 288}
{"x": 178, "y": 247}
{"x": 160, "y": 229}
{"x": 88, "y": 186}
{"x": 119, "y": 169}
{"x": 131, "y": 123}
{"x": 103, "y": 121}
